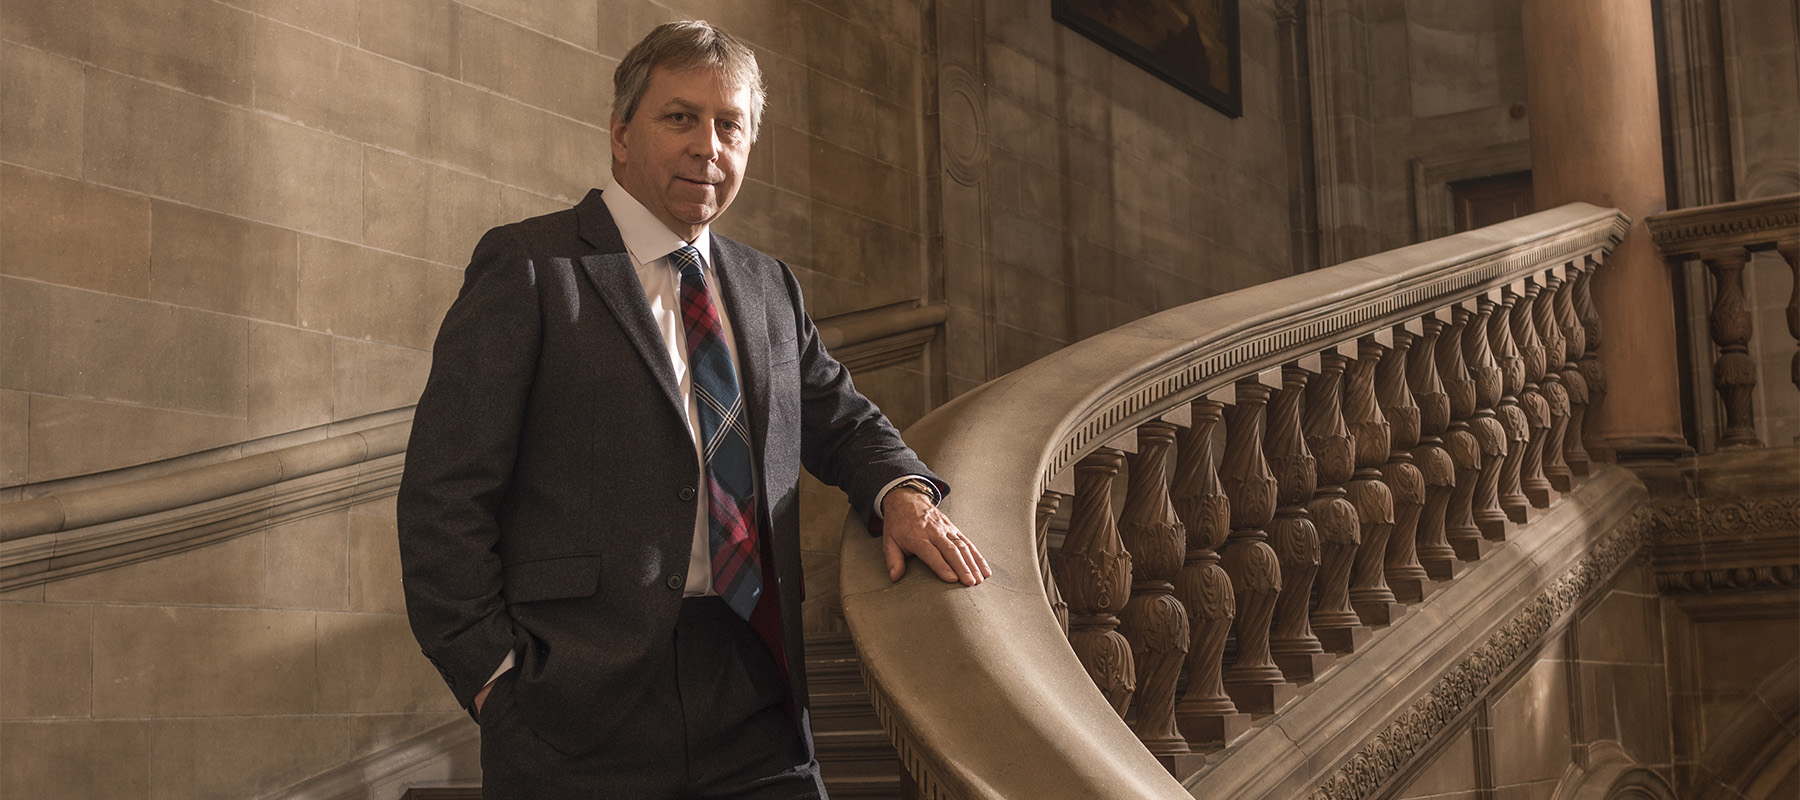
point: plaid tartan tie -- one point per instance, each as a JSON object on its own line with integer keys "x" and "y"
{"x": 725, "y": 442}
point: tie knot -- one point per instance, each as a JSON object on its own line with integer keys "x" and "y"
{"x": 687, "y": 260}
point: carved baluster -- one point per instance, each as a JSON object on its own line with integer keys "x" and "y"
{"x": 1296, "y": 542}
{"x": 1531, "y": 400}
{"x": 1518, "y": 431}
{"x": 1436, "y": 469}
{"x": 1574, "y": 455}
{"x": 1489, "y": 433}
{"x": 1592, "y": 371}
{"x": 1465, "y": 452}
{"x": 1556, "y": 470}
{"x": 1048, "y": 502}
{"x": 1254, "y": 682}
{"x": 1153, "y": 620}
{"x": 1206, "y": 714}
{"x": 1336, "y": 624}
{"x": 1790, "y": 251}
{"x": 1734, "y": 372}
{"x": 1405, "y": 575}
{"x": 1094, "y": 573}
{"x": 1369, "y": 593}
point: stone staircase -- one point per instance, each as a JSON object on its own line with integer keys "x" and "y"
{"x": 857, "y": 759}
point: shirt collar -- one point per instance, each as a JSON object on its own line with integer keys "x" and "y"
{"x": 646, "y": 237}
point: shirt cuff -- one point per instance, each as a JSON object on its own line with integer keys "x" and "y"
{"x": 505, "y": 665}
{"x": 882, "y": 495}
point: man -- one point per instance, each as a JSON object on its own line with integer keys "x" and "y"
{"x": 598, "y": 520}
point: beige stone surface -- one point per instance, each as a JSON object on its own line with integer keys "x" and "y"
{"x": 76, "y": 759}
{"x": 200, "y": 259}
{"x": 331, "y": 86}
{"x": 1530, "y": 722}
{"x": 171, "y": 662}
{"x": 418, "y": 32}
{"x": 40, "y": 110}
{"x": 333, "y": 18}
{"x": 66, "y": 232}
{"x": 375, "y": 564}
{"x": 160, "y": 141}
{"x": 290, "y": 376}
{"x": 370, "y": 663}
{"x": 1628, "y": 704}
{"x": 241, "y": 756}
{"x": 368, "y": 377}
{"x": 426, "y": 211}
{"x": 45, "y": 668}
{"x": 76, "y": 437}
{"x": 362, "y": 293}
{"x": 1451, "y": 772}
{"x": 569, "y": 20}
{"x": 15, "y": 441}
{"x": 1625, "y": 627}
{"x": 228, "y": 573}
{"x": 546, "y": 153}
{"x": 534, "y": 68}
{"x": 195, "y": 45}
{"x": 305, "y": 563}
{"x": 157, "y": 355}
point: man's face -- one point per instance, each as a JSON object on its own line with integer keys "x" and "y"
{"x": 682, "y": 153}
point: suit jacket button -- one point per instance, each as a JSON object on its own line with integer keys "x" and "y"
{"x": 686, "y": 493}
{"x": 675, "y": 580}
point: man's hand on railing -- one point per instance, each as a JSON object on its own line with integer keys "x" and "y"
{"x": 913, "y": 525}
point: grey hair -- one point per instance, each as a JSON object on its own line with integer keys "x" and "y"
{"x": 689, "y": 44}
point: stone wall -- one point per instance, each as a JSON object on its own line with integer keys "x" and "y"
{"x": 1079, "y": 192}
{"x": 1598, "y": 688}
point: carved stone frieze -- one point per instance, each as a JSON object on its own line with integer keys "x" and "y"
{"x": 1737, "y": 543}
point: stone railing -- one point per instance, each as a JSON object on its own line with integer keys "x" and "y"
{"x": 1383, "y": 422}
{"x": 1724, "y": 237}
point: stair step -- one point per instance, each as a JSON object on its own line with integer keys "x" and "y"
{"x": 863, "y": 787}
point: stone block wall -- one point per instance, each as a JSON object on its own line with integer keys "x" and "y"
{"x": 228, "y": 671}
{"x": 1598, "y": 689}
{"x": 1079, "y": 192}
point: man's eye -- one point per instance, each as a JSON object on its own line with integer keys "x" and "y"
{"x": 728, "y": 124}
{"x": 679, "y": 117}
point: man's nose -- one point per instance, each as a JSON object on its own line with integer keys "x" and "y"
{"x": 705, "y": 143}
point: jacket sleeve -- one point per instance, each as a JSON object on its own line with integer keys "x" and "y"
{"x": 845, "y": 439}
{"x": 459, "y": 464}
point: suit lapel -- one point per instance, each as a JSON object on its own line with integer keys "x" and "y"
{"x": 750, "y": 322}
{"x": 616, "y": 279}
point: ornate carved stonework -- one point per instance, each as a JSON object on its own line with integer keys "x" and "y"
{"x": 1728, "y": 543}
{"x": 1408, "y": 735}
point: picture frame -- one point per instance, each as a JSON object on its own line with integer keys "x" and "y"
{"x": 1189, "y": 44}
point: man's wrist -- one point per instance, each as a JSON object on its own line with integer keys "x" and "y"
{"x": 921, "y": 486}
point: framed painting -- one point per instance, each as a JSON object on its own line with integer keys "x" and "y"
{"x": 1191, "y": 44}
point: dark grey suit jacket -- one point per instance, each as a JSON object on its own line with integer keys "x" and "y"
{"x": 548, "y": 501}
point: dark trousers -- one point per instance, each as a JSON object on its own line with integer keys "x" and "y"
{"x": 712, "y": 724}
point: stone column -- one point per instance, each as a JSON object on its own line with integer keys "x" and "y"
{"x": 1590, "y": 74}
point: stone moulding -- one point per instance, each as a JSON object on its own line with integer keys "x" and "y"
{"x": 1024, "y": 719}
{"x": 1745, "y": 223}
{"x": 1739, "y": 543}
{"x": 74, "y": 533}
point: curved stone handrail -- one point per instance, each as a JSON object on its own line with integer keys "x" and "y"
{"x": 979, "y": 688}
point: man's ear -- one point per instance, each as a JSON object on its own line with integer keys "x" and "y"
{"x": 617, "y": 129}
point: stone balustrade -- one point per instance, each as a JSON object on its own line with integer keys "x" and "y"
{"x": 1724, "y": 237}
{"x": 1384, "y": 422}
